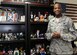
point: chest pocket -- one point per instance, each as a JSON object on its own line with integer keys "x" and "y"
{"x": 65, "y": 27}
{"x": 52, "y": 26}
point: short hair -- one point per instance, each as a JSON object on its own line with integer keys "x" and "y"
{"x": 57, "y": 3}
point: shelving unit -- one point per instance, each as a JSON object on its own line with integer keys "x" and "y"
{"x": 28, "y": 28}
{"x": 14, "y": 28}
{"x": 37, "y": 28}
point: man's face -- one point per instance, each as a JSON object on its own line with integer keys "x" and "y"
{"x": 57, "y": 9}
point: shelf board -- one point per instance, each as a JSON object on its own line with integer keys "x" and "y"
{"x": 37, "y": 38}
{"x": 12, "y": 3}
{"x": 23, "y": 3}
{"x": 12, "y": 41}
{"x": 37, "y": 4}
{"x": 22, "y": 23}
{"x": 39, "y": 22}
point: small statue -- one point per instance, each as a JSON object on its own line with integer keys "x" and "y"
{"x": 16, "y": 51}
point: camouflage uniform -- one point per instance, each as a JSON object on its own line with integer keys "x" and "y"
{"x": 65, "y": 27}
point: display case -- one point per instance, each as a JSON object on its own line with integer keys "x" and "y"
{"x": 13, "y": 28}
{"x": 23, "y": 26}
{"x": 37, "y": 25}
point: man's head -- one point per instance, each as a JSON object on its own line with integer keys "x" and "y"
{"x": 57, "y": 9}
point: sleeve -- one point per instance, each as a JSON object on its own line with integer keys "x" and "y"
{"x": 49, "y": 33}
{"x": 72, "y": 34}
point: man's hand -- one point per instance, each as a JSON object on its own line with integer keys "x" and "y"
{"x": 56, "y": 35}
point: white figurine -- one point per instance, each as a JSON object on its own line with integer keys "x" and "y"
{"x": 16, "y": 51}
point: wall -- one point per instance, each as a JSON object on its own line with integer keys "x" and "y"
{"x": 67, "y": 1}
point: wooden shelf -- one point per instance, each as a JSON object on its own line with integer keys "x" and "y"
{"x": 36, "y": 41}
{"x": 12, "y": 41}
{"x": 13, "y": 3}
{"x": 39, "y": 23}
{"x": 23, "y": 3}
{"x": 37, "y": 38}
{"x": 12, "y": 23}
{"x": 37, "y": 4}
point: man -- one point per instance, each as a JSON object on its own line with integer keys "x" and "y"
{"x": 60, "y": 32}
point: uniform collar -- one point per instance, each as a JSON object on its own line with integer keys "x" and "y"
{"x": 61, "y": 18}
